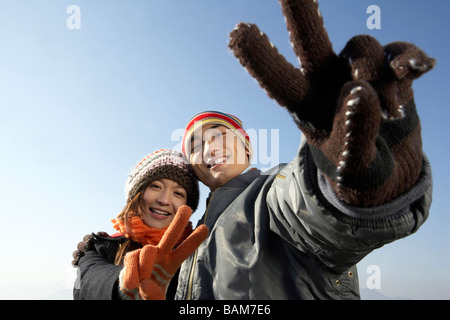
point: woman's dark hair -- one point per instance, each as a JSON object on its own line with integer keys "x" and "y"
{"x": 132, "y": 208}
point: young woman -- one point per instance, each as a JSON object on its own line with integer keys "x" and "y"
{"x": 155, "y": 235}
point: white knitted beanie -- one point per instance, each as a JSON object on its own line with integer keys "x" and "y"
{"x": 164, "y": 163}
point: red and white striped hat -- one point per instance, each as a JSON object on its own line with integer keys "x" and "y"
{"x": 215, "y": 117}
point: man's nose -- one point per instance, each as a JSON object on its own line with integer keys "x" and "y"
{"x": 212, "y": 146}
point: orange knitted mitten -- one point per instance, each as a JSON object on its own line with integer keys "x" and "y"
{"x": 151, "y": 268}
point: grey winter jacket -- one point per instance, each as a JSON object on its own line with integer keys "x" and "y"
{"x": 284, "y": 234}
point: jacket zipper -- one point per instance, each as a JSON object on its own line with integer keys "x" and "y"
{"x": 194, "y": 263}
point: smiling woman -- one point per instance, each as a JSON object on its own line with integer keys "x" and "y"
{"x": 78, "y": 107}
{"x": 160, "y": 202}
{"x": 157, "y": 192}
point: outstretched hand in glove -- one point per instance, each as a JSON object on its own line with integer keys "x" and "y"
{"x": 356, "y": 109}
{"x": 148, "y": 271}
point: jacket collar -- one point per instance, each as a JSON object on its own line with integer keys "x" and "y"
{"x": 243, "y": 180}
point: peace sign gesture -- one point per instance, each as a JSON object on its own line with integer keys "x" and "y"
{"x": 356, "y": 109}
{"x": 152, "y": 267}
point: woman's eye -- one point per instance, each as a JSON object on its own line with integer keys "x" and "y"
{"x": 179, "y": 194}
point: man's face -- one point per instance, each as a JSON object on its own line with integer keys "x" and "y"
{"x": 217, "y": 155}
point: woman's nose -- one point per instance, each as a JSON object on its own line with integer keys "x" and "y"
{"x": 164, "y": 198}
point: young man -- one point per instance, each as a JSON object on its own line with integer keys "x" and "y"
{"x": 219, "y": 148}
{"x": 359, "y": 181}
{"x": 282, "y": 234}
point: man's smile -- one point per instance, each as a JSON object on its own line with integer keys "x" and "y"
{"x": 212, "y": 163}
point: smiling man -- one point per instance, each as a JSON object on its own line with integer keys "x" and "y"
{"x": 285, "y": 233}
{"x": 360, "y": 178}
{"x": 219, "y": 148}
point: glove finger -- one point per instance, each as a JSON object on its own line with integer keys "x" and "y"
{"x": 130, "y": 273}
{"x": 189, "y": 245}
{"x": 81, "y": 246}
{"x": 176, "y": 228}
{"x": 307, "y": 32}
{"x": 275, "y": 75}
{"x": 154, "y": 267}
{"x": 147, "y": 259}
{"x": 353, "y": 141}
{"x": 367, "y": 61}
{"x": 366, "y": 58}
{"x": 149, "y": 290}
{"x": 408, "y": 61}
{"x": 368, "y": 154}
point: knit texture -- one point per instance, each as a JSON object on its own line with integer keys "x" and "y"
{"x": 138, "y": 231}
{"x": 356, "y": 109}
{"x": 151, "y": 268}
{"x": 168, "y": 164}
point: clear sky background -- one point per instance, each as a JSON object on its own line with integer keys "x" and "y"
{"x": 79, "y": 108}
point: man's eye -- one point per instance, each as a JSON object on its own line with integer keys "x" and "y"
{"x": 218, "y": 135}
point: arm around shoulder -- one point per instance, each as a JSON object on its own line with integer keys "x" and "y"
{"x": 97, "y": 276}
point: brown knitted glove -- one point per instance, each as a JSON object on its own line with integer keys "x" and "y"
{"x": 356, "y": 109}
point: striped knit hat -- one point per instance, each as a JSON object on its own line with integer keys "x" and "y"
{"x": 168, "y": 164}
{"x": 215, "y": 117}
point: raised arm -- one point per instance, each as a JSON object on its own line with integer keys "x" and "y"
{"x": 356, "y": 109}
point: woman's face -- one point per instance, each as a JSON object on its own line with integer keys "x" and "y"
{"x": 160, "y": 202}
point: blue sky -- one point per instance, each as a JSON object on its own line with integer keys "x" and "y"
{"x": 80, "y": 107}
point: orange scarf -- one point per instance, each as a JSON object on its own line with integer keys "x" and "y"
{"x": 137, "y": 231}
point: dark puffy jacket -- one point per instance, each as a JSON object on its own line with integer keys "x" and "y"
{"x": 285, "y": 235}
{"x": 97, "y": 276}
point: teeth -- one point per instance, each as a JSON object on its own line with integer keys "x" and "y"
{"x": 160, "y": 212}
{"x": 212, "y": 163}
